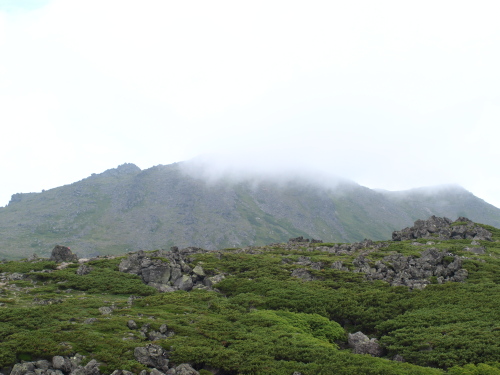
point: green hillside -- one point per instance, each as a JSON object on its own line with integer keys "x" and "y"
{"x": 126, "y": 209}
{"x": 427, "y": 306}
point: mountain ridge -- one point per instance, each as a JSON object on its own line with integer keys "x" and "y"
{"x": 126, "y": 208}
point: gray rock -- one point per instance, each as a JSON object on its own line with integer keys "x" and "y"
{"x": 92, "y": 368}
{"x": 152, "y": 356}
{"x": 17, "y": 276}
{"x": 198, "y": 270}
{"x": 62, "y": 254}
{"x": 443, "y": 228}
{"x": 303, "y": 274}
{"x": 132, "y": 324}
{"x": 90, "y": 320}
{"x": 184, "y": 283}
{"x": 158, "y": 274}
{"x": 361, "y": 344}
{"x": 22, "y": 368}
{"x": 182, "y": 369}
{"x": 84, "y": 269}
{"x": 105, "y": 310}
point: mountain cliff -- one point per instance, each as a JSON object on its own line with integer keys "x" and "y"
{"x": 128, "y": 209}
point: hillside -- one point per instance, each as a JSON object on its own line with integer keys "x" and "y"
{"x": 128, "y": 209}
{"x": 426, "y": 305}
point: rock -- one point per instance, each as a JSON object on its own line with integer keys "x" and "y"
{"x": 198, "y": 270}
{"x": 476, "y": 250}
{"x": 132, "y": 324}
{"x": 92, "y": 368}
{"x": 184, "y": 283}
{"x": 84, "y": 269}
{"x": 22, "y": 368}
{"x": 152, "y": 356}
{"x": 62, "y": 254}
{"x": 303, "y": 274}
{"x": 398, "y": 358}
{"x": 443, "y": 228}
{"x": 361, "y": 344}
{"x": 90, "y": 320}
{"x": 17, "y": 276}
{"x": 61, "y": 363}
{"x": 182, "y": 369}
{"x": 105, "y": 310}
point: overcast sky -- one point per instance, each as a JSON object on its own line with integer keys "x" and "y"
{"x": 391, "y": 94}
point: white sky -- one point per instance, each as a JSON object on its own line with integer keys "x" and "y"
{"x": 391, "y": 94}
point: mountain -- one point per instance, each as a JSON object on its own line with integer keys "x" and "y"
{"x": 127, "y": 209}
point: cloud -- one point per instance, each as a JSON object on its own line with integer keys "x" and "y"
{"x": 389, "y": 94}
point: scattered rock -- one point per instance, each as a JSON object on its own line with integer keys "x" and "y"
{"x": 84, "y": 269}
{"x": 105, "y": 310}
{"x": 361, "y": 344}
{"x": 169, "y": 271}
{"x": 303, "y": 274}
{"x": 413, "y": 272}
{"x": 152, "y": 356}
{"x": 62, "y": 254}
{"x": 183, "y": 369}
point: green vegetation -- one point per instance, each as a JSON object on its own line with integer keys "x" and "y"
{"x": 262, "y": 320}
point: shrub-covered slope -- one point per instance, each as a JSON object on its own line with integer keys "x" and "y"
{"x": 431, "y": 304}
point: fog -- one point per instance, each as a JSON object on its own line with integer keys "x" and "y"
{"x": 388, "y": 94}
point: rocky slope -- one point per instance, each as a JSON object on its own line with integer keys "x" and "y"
{"x": 126, "y": 209}
{"x": 425, "y": 301}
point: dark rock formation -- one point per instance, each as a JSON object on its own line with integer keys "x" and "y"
{"x": 62, "y": 254}
{"x": 168, "y": 271}
{"x": 444, "y": 229}
{"x": 361, "y": 344}
{"x": 413, "y": 272}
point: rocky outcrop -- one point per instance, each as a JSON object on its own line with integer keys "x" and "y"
{"x": 58, "y": 366}
{"x": 444, "y": 229}
{"x": 149, "y": 334}
{"x": 362, "y": 344}
{"x": 62, "y": 254}
{"x": 413, "y": 272}
{"x": 153, "y": 356}
{"x": 168, "y": 271}
{"x": 301, "y": 239}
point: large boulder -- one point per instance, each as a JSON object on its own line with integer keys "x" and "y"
{"x": 62, "y": 254}
{"x": 362, "y": 344}
{"x": 153, "y": 356}
{"x": 183, "y": 369}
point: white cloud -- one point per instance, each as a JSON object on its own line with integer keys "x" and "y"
{"x": 384, "y": 92}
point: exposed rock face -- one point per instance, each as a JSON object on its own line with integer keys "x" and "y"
{"x": 62, "y": 254}
{"x": 361, "y": 344}
{"x": 168, "y": 271}
{"x": 443, "y": 229}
